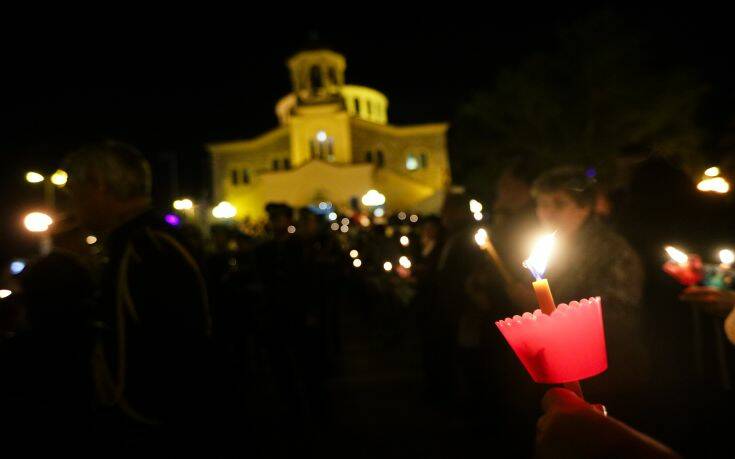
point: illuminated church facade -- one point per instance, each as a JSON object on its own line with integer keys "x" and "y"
{"x": 333, "y": 143}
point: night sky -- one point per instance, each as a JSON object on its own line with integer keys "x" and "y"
{"x": 169, "y": 84}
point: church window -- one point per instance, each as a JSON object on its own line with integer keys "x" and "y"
{"x": 357, "y": 106}
{"x": 369, "y": 107}
{"x": 234, "y": 177}
{"x": 380, "y": 158}
{"x": 245, "y": 176}
{"x": 275, "y": 164}
{"x": 412, "y": 163}
{"x": 424, "y": 160}
{"x": 369, "y": 156}
{"x": 287, "y": 163}
{"x": 316, "y": 78}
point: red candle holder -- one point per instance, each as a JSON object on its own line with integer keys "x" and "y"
{"x": 687, "y": 274}
{"x": 566, "y": 346}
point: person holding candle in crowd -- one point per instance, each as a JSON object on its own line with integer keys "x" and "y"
{"x": 592, "y": 260}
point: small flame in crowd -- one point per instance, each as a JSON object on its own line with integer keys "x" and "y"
{"x": 677, "y": 255}
{"x": 537, "y": 262}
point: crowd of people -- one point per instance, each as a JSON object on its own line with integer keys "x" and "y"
{"x": 157, "y": 339}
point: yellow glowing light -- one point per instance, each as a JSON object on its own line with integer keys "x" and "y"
{"x": 91, "y": 239}
{"x": 34, "y": 177}
{"x": 345, "y": 221}
{"x": 715, "y": 184}
{"x": 475, "y": 206}
{"x": 405, "y": 241}
{"x": 373, "y": 198}
{"x": 354, "y": 253}
{"x": 321, "y": 136}
{"x": 364, "y": 221}
{"x": 356, "y": 262}
{"x": 291, "y": 229}
{"x": 37, "y": 222}
{"x": 332, "y": 216}
{"x": 344, "y": 228}
{"x": 59, "y": 178}
{"x": 335, "y": 226}
{"x": 539, "y": 259}
{"x": 224, "y": 210}
{"x": 481, "y": 237}
{"x": 712, "y": 171}
{"x": 478, "y": 216}
{"x": 405, "y": 262}
{"x": 414, "y": 218}
{"x": 388, "y": 266}
{"x": 401, "y": 216}
{"x": 379, "y": 212}
{"x": 4, "y": 293}
{"x": 183, "y": 204}
{"x": 727, "y": 257}
{"x": 677, "y": 255}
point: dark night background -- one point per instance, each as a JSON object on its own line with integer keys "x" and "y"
{"x": 169, "y": 85}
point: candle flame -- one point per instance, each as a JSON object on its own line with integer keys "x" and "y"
{"x": 713, "y": 171}
{"x": 715, "y": 184}
{"x": 677, "y": 255}
{"x": 727, "y": 256}
{"x": 536, "y": 263}
{"x": 481, "y": 237}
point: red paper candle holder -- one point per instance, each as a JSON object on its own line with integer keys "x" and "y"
{"x": 688, "y": 274}
{"x": 568, "y": 345}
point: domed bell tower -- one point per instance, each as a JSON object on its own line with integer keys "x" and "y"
{"x": 317, "y": 76}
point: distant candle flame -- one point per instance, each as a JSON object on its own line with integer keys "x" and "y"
{"x": 677, "y": 255}
{"x": 475, "y": 206}
{"x": 713, "y": 171}
{"x": 715, "y": 184}
{"x": 727, "y": 256}
{"x": 540, "y": 254}
{"x": 481, "y": 237}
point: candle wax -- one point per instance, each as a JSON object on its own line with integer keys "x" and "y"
{"x": 544, "y": 297}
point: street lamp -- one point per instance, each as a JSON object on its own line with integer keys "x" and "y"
{"x": 34, "y": 177}
{"x": 37, "y": 222}
{"x": 59, "y": 178}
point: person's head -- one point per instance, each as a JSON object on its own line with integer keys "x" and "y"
{"x": 280, "y": 217}
{"x": 309, "y": 223}
{"x": 431, "y": 228}
{"x": 513, "y": 190}
{"x": 455, "y": 212}
{"x": 565, "y": 198}
{"x": 107, "y": 181}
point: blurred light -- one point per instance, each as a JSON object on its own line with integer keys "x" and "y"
{"x": 4, "y": 293}
{"x": 481, "y": 237}
{"x": 716, "y": 184}
{"x": 372, "y": 199}
{"x": 59, "y": 178}
{"x": 727, "y": 257}
{"x": 389, "y": 231}
{"x": 354, "y": 253}
{"x": 345, "y": 221}
{"x": 414, "y": 218}
{"x": 404, "y": 241}
{"x": 344, "y": 228}
{"x": 539, "y": 258}
{"x": 478, "y": 216}
{"x": 332, "y": 216}
{"x": 335, "y": 226}
{"x": 475, "y": 206}
{"x": 356, "y": 262}
{"x": 17, "y": 267}
{"x": 183, "y": 204}
{"x": 712, "y": 172}
{"x": 91, "y": 239}
{"x": 323, "y": 205}
{"x": 291, "y": 229}
{"x": 388, "y": 266}
{"x": 224, "y": 210}
{"x": 34, "y": 177}
{"x": 172, "y": 219}
{"x": 364, "y": 221}
{"x": 321, "y": 136}
{"x": 401, "y": 216}
{"x": 37, "y": 222}
{"x": 591, "y": 172}
{"x": 412, "y": 163}
{"x": 379, "y": 212}
{"x": 677, "y": 255}
{"x": 405, "y": 262}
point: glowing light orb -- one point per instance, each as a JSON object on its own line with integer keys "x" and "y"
{"x": 224, "y": 210}
{"x": 37, "y": 222}
{"x": 388, "y": 266}
{"x": 34, "y": 177}
{"x": 59, "y": 178}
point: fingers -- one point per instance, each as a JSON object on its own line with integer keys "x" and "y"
{"x": 558, "y": 398}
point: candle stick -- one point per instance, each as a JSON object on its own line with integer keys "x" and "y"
{"x": 536, "y": 263}
{"x": 483, "y": 240}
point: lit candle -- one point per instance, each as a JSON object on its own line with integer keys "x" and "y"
{"x": 536, "y": 263}
{"x": 686, "y": 269}
{"x": 483, "y": 240}
{"x": 727, "y": 257}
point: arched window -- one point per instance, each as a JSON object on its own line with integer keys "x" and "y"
{"x": 357, "y": 106}
{"x": 275, "y": 165}
{"x": 245, "y": 176}
{"x": 315, "y": 75}
{"x": 234, "y": 177}
{"x": 381, "y": 159}
{"x": 424, "y": 160}
{"x": 369, "y": 156}
{"x": 287, "y": 163}
{"x": 369, "y": 107}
